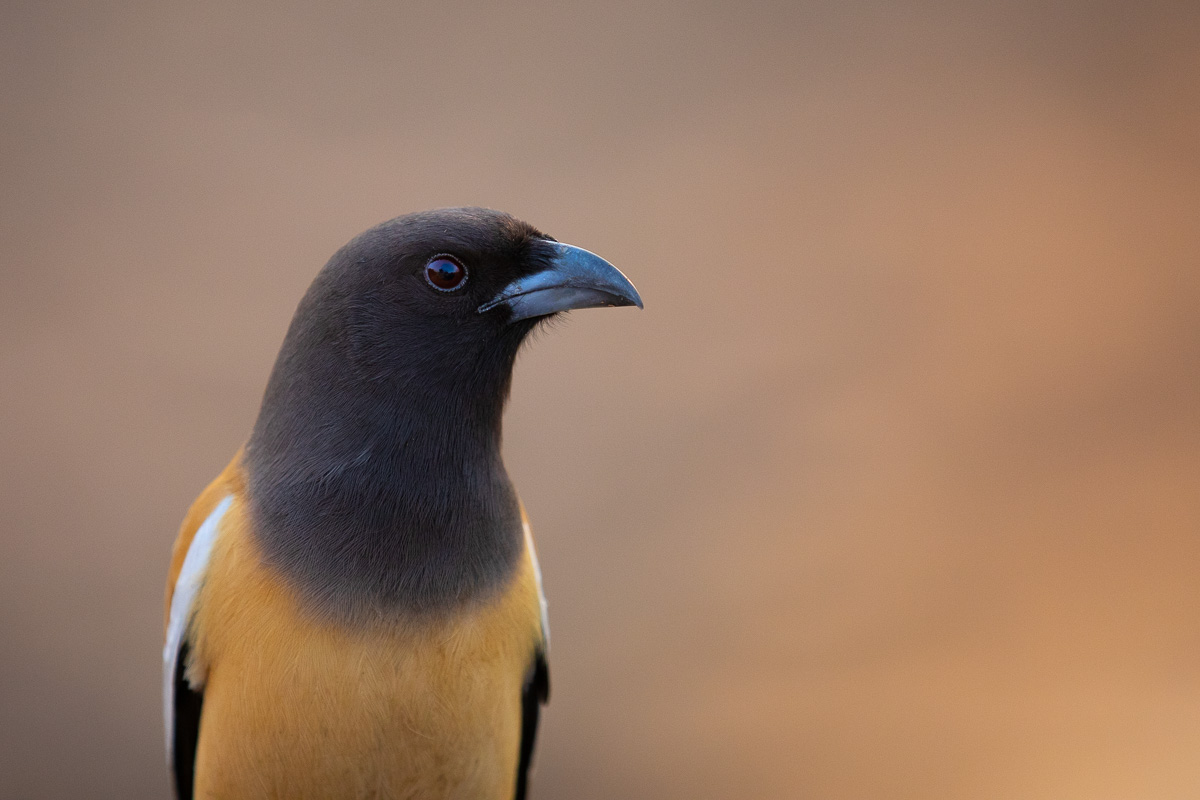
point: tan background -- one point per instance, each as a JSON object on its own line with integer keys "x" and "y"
{"x": 893, "y": 490}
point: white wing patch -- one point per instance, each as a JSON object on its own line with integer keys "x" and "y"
{"x": 190, "y": 577}
{"x": 537, "y": 575}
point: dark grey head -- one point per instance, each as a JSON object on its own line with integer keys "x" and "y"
{"x": 375, "y": 476}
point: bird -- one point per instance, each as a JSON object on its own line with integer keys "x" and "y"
{"x": 354, "y": 606}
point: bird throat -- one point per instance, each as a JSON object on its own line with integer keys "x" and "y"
{"x": 375, "y": 502}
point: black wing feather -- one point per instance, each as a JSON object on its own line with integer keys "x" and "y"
{"x": 534, "y": 695}
{"x": 186, "y": 733}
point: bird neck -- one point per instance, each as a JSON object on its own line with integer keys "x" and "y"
{"x": 376, "y": 498}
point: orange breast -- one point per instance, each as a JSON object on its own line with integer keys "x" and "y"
{"x": 296, "y": 706}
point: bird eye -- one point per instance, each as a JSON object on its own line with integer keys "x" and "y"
{"x": 445, "y": 274}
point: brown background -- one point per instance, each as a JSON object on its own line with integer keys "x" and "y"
{"x": 893, "y": 489}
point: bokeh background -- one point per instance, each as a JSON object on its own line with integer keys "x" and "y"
{"x": 893, "y": 489}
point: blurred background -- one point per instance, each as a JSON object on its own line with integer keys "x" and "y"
{"x": 892, "y": 490}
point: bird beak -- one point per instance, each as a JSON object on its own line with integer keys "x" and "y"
{"x": 574, "y": 279}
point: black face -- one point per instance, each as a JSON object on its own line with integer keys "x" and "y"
{"x": 408, "y": 292}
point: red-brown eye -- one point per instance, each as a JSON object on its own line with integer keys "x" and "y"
{"x": 445, "y": 274}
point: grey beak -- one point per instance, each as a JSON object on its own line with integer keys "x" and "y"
{"x": 575, "y": 279}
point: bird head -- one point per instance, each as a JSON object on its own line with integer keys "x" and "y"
{"x": 441, "y": 300}
{"x": 379, "y": 432}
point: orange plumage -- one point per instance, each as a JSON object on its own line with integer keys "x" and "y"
{"x": 296, "y": 706}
